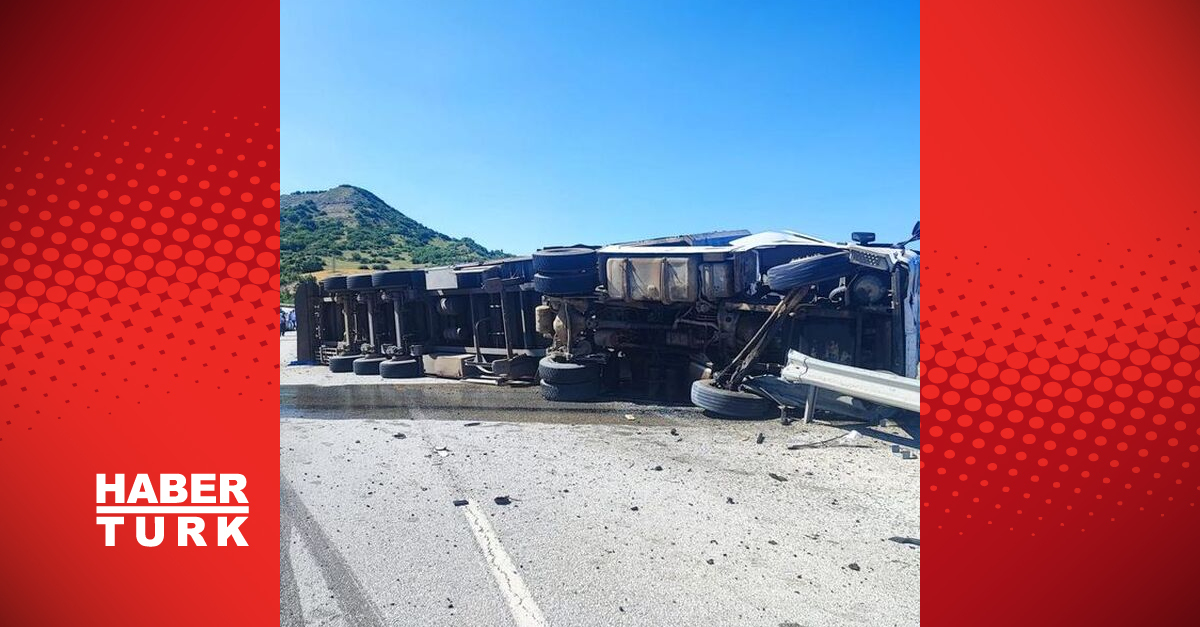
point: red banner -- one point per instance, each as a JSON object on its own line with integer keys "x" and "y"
{"x": 1059, "y": 335}
{"x": 139, "y": 160}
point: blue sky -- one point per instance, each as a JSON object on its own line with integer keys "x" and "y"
{"x": 524, "y": 124}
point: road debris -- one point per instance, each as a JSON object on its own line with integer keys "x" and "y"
{"x": 761, "y": 438}
{"x": 906, "y": 540}
{"x": 674, "y": 431}
{"x": 502, "y": 500}
{"x": 443, "y": 451}
{"x": 472, "y": 424}
{"x": 579, "y": 478}
{"x": 657, "y": 468}
{"x": 854, "y": 567}
{"x": 852, "y": 437}
{"x": 630, "y": 417}
{"x": 903, "y": 452}
{"x": 399, "y": 436}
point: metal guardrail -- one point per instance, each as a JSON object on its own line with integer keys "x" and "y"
{"x": 790, "y": 394}
{"x": 884, "y": 388}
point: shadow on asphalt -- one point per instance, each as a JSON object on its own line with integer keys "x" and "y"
{"x": 465, "y": 402}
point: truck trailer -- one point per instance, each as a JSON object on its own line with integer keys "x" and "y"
{"x": 697, "y": 318}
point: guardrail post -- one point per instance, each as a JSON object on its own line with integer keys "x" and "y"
{"x": 810, "y": 404}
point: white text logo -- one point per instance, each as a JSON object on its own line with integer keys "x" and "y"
{"x": 186, "y": 498}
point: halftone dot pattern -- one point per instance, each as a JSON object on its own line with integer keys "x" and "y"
{"x": 139, "y": 258}
{"x": 1060, "y": 397}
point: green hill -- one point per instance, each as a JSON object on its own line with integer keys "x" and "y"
{"x": 347, "y": 229}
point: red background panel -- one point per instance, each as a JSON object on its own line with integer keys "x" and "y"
{"x": 139, "y": 306}
{"x": 1060, "y": 340}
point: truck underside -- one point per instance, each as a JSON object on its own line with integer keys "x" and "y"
{"x": 642, "y": 320}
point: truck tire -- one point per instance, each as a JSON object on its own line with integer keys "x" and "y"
{"x": 342, "y": 363}
{"x": 334, "y": 283}
{"x": 564, "y": 260}
{"x": 368, "y": 365}
{"x": 565, "y": 284}
{"x": 393, "y": 278}
{"x": 567, "y": 372}
{"x": 730, "y": 403}
{"x": 359, "y": 281}
{"x": 400, "y": 369}
{"x": 809, "y": 271}
{"x": 585, "y": 391}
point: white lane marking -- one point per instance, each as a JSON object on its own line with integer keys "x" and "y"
{"x": 525, "y": 611}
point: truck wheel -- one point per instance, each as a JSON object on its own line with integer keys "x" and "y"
{"x": 334, "y": 283}
{"x": 368, "y": 365}
{"x": 809, "y": 271}
{"x": 567, "y": 372}
{"x": 565, "y": 284}
{"x": 359, "y": 281}
{"x": 400, "y": 369}
{"x": 585, "y": 391}
{"x": 572, "y": 260}
{"x": 342, "y": 363}
{"x": 730, "y": 403}
{"x": 394, "y": 278}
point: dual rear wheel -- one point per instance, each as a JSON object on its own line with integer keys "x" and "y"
{"x": 396, "y": 368}
{"x": 565, "y": 271}
{"x": 569, "y": 381}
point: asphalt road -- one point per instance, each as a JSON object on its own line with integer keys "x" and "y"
{"x": 665, "y": 518}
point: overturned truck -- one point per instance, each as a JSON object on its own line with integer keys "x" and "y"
{"x": 695, "y": 317}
